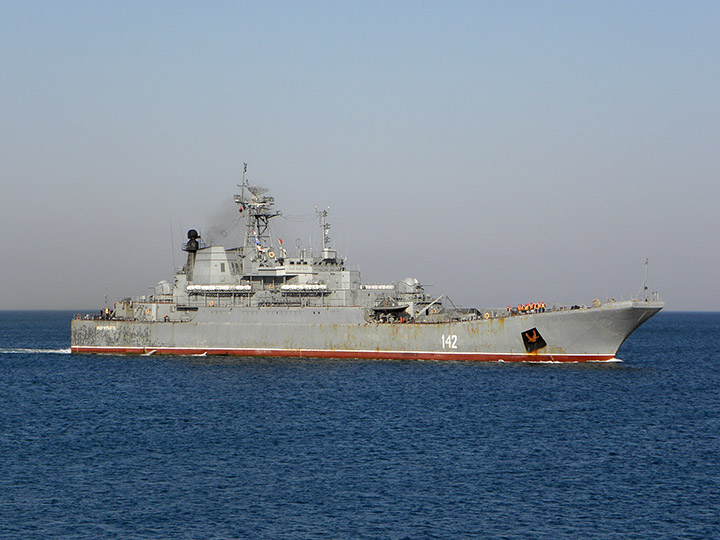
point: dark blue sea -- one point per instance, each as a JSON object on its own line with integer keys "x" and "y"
{"x": 95, "y": 447}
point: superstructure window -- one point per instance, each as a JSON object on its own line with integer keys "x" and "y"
{"x": 222, "y": 267}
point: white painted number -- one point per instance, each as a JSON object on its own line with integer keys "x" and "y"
{"x": 449, "y": 342}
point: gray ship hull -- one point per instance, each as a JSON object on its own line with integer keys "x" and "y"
{"x": 562, "y": 335}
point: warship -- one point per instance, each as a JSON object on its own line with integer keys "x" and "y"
{"x": 257, "y": 300}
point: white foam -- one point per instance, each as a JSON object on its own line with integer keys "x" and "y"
{"x": 42, "y": 351}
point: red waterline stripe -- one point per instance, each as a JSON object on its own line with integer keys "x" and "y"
{"x": 375, "y": 355}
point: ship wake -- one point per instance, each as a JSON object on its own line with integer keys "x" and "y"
{"x": 34, "y": 351}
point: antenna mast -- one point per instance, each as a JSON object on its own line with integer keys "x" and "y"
{"x": 325, "y": 226}
{"x": 258, "y": 209}
{"x": 243, "y": 180}
{"x": 642, "y": 294}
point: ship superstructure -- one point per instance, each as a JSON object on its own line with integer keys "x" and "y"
{"x": 258, "y": 300}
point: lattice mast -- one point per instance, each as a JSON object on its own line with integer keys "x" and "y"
{"x": 258, "y": 209}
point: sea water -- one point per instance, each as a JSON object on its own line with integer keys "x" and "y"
{"x": 222, "y": 448}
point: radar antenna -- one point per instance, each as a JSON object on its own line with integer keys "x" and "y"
{"x": 257, "y": 190}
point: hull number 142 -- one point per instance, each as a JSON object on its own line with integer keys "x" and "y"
{"x": 449, "y": 341}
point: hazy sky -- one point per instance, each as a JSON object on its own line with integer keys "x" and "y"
{"x": 501, "y": 152}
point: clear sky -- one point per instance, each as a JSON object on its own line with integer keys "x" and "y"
{"x": 501, "y": 152}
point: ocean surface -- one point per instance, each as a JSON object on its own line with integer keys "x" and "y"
{"x": 95, "y": 447}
